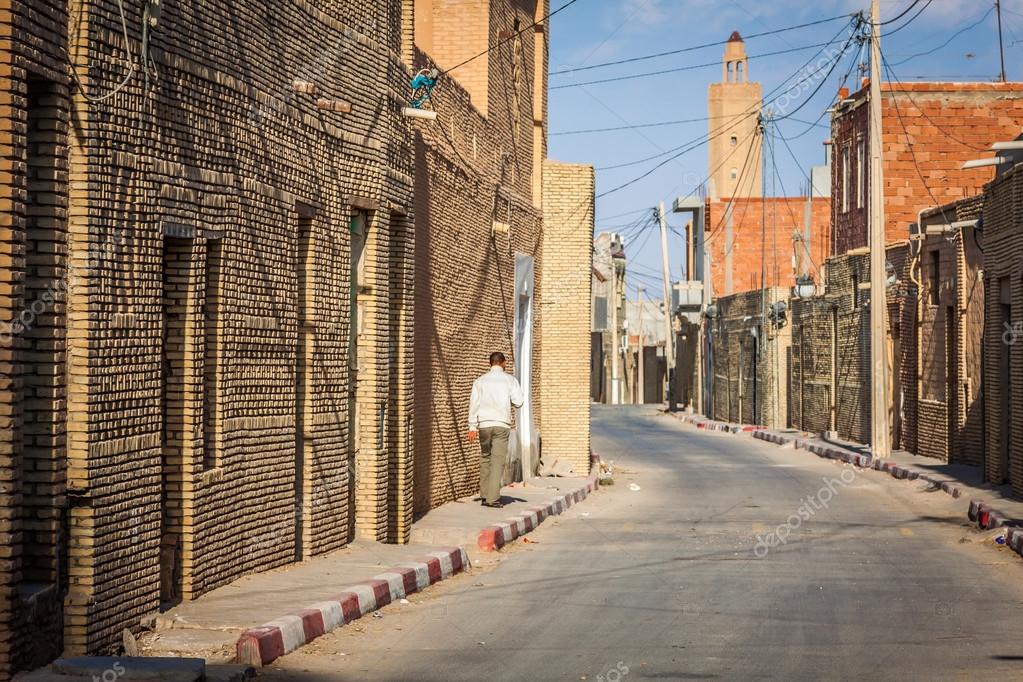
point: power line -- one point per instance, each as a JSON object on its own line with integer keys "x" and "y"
{"x": 660, "y": 124}
{"x": 699, "y": 47}
{"x": 690, "y": 67}
{"x": 503, "y": 41}
{"x": 904, "y": 12}
{"x": 742, "y": 175}
{"x": 953, "y": 37}
{"x": 752, "y": 111}
{"x": 911, "y": 19}
{"x": 912, "y": 151}
{"x": 904, "y": 90}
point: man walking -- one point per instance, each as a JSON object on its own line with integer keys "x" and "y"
{"x": 490, "y": 418}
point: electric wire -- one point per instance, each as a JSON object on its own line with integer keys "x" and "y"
{"x": 904, "y": 12}
{"x": 505, "y": 40}
{"x": 693, "y": 48}
{"x": 659, "y": 124}
{"x": 951, "y": 38}
{"x": 752, "y": 111}
{"x": 677, "y": 69}
{"x": 130, "y": 60}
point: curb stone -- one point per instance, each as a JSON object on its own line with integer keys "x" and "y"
{"x": 494, "y": 537}
{"x": 981, "y": 513}
{"x": 268, "y": 642}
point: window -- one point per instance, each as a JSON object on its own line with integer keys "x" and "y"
{"x": 733, "y": 174}
{"x": 734, "y": 140}
{"x": 861, "y": 167}
{"x": 935, "y": 277}
{"x": 845, "y": 179}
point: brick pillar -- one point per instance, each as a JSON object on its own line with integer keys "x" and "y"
{"x": 566, "y": 274}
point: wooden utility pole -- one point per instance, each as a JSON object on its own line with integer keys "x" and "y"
{"x": 1001, "y": 48}
{"x": 880, "y": 432}
{"x": 669, "y": 341}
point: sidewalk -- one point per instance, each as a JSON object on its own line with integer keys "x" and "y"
{"x": 261, "y": 617}
{"x": 986, "y": 505}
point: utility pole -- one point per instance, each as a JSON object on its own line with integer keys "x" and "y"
{"x": 669, "y": 341}
{"x": 641, "y": 382}
{"x": 1001, "y": 48}
{"x": 879, "y": 428}
{"x": 615, "y": 398}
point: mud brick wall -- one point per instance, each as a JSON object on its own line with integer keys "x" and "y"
{"x": 210, "y": 363}
{"x": 33, "y": 362}
{"x": 567, "y": 267}
{"x": 475, "y": 211}
{"x": 1003, "y": 352}
{"x": 812, "y": 378}
{"x": 831, "y": 351}
{"x": 949, "y": 403}
{"x": 747, "y": 388}
{"x": 739, "y": 248}
{"x": 929, "y": 129}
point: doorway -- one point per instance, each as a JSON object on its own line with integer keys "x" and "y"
{"x": 1004, "y": 380}
{"x": 523, "y": 350}
{"x": 358, "y": 227}
{"x": 304, "y": 347}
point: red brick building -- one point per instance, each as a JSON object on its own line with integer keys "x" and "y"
{"x": 797, "y": 240}
{"x": 929, "y": 130}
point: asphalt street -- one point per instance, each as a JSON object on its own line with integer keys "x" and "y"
{"x": 731, "y": 561}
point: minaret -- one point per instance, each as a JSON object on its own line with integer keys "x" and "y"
{"x": 733, "y": 105}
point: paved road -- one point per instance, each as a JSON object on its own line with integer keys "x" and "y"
{"x": 879, "y": 581}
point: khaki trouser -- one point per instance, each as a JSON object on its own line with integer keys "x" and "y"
{"x": 494, "y": 447}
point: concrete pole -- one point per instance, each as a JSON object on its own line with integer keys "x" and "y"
{"x": 615, "y": 398}
{"x": 879, "y": 428}
{"x": 669, "y": 340}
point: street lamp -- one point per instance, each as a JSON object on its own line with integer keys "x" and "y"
{"x": 805, "y": 288}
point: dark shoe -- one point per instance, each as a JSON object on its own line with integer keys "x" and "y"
{"x": 493, "y": 505}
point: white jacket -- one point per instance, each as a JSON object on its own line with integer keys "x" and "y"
{"x": 493, "y": 396}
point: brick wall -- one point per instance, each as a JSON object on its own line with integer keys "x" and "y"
{"x": 33, "y": 330}
{"x": 1003, "y": 354}
{"x": 475, "y": 213}
{"x": 830, "y": 378}
{"x": 749, "y": 387}
{"x": 568, "y": 254}
{"x": 204, "y": 245}
{"x": 929, "y": 129}
{"x": 737, "y": 244}
{"x": 950, "y": 330}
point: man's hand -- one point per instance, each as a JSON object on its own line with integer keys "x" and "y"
{"x": 474, "y": 436}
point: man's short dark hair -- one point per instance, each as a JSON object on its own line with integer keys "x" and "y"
{"x": 496, "y": 358}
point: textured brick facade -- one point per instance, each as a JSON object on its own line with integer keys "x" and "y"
{"x": 193, "y": 231}
{"x": 796, "y": 239}
{"x": 568, "y": 254}
{"x": 951, "y": 310}
{"x": 1003, "y": 310}
{"x": 477, "y": 223}
{"x": 830, "y": 377}
{"x": 748, "y": 383}
{"x": 229, "y": 267}
{"x": 929, "y": 129}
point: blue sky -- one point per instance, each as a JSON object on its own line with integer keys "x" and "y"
{"x": 595, "y": 31}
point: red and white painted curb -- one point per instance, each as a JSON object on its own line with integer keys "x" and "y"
{"x": 268, "y": 642}
{"x": 493, "y": 538}
{"x": 983, "y": 514}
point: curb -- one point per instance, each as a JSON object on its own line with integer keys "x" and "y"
{"x": 981, "y": 513}
{"x": 268, "y": 642}
{"x": 493, "y": 538}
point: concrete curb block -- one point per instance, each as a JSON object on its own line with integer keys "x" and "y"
{"x": 981, "y": 513}
{"x": 264, "y": 644}
{"x": 493, "y": 538}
